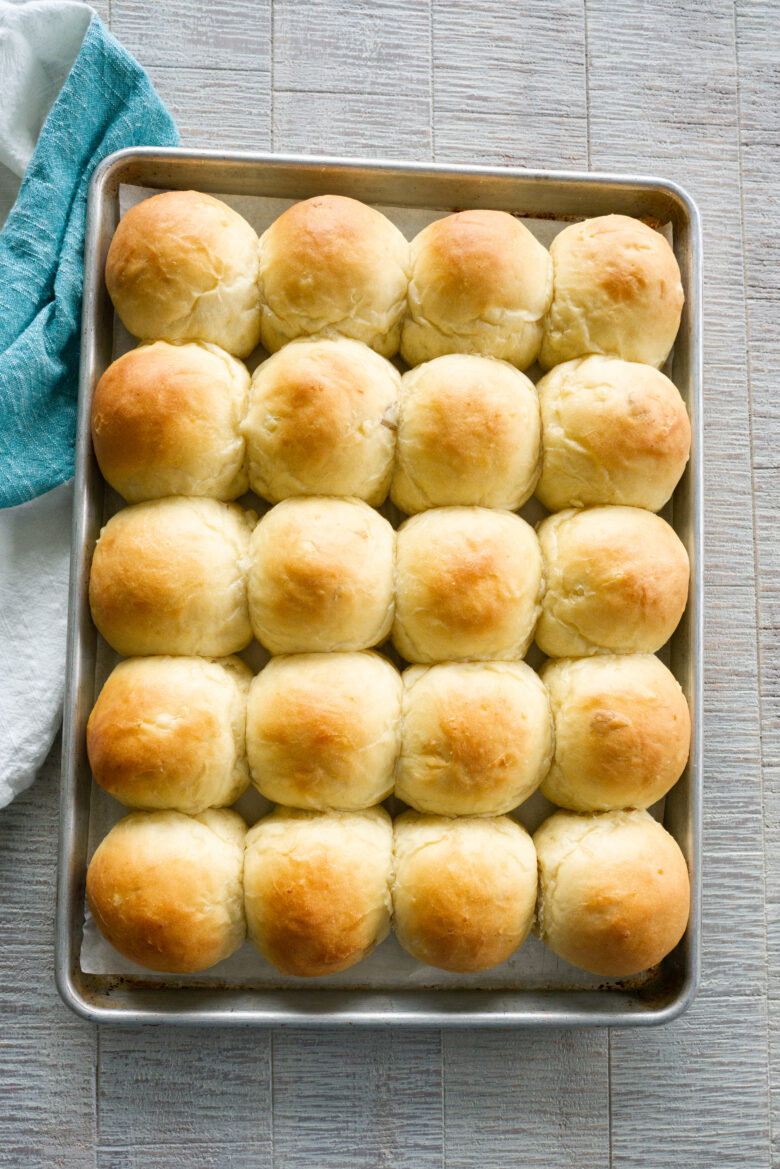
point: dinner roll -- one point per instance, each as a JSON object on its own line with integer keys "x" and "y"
{"x": 333, "y": 265}
{"x": 323, "y": 730}
{"x": 183, "y": 266}
{"x": 622, "y": 732}
{"x": 617, "y": 582}
{"x": 170, "y": 577}
{"x": 469, "y": 433}
{"x": 165, "y": 421}
{"x": 170, "y": 733}
{"x": 464, "y": 889}
{"x": 476, "y": 738}
{"x": 617, "y": 290}
{"x": 321, "y": 576}
{"x": 468, "y": 585}
{"x": 614, "y": 894}
{"x": 322, "y": 421}
{"x": 613, "y": 432}
{"x": 317, "y": 888}
{"x": 166, "y": 889}
{"x": 480, "y": 283}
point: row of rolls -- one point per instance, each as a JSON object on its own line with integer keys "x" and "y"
{"x": 318, "y": 574}
{"x": 344, "y": 731}
{"x": 316, "y": 891}
{"x": 328, "y": 416}
{"x": 183, "y": 266}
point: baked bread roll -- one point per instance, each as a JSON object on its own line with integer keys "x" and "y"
{"x": 480, "y": 283}
{"x": 622, "y": 732}
{"x": 334, "y": 266}
{"x": 617, "y": 582}
{"x": 614, "y": 895}
{"x": 476, "y": 739}
{"x": 165, "y": 421}
{"x": 613, "y": 432}
{"x": 469, "y": 433}
{"x": 183, "y": 266}
{"x": 170, "y": 577}
{"x": 468, "y": 585}
{"x": 166, "y": 890}
{"x": 322, "y": 421}
{"x": 323, "y": 730}
{"x": 170, "y": 733}
{"x": 617, "y": 290}
{"x": 464, "y": 889}
{"x": 317, "y": 887}
{"x": 321, "y": 576}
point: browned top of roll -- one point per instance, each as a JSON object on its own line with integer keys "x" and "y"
{"x": 614, "y": 432}
{"x": 480, "y": 283}
{"x": 317, "y": 888}
{"x": 464, "y": 889}
{"x": 614, "y": 893}
{"x": 165, "y": 421}
{"x": 333, "y": 265}
{"x": 617, "y": 580}
{"x": 169, "y": 732}
{"x": 166, "y": 891}
{"x": 468, "y": 582}
{"x": 183, "y": 266}
{"x": 622, "y": 731}
{"x": 617, "y": 290}
{"x": 169, "y": 576}
{"x": 473, "y": 255}
{"x": 321, "y": 577}
{"x": 322, "y": 421}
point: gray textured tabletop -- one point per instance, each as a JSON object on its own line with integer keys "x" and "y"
{"x": 687, "y": 89}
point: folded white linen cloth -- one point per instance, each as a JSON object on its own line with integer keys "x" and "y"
{"x": 39, "y": 42}
{"x": 34, "y": 560}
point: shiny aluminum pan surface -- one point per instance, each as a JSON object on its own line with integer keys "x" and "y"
{"x": 536, "y": 194}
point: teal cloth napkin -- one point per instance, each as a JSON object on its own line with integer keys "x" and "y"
{"x": 106, "y": 103}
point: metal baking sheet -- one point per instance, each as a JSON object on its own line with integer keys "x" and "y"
{"x": 389, "y": 988}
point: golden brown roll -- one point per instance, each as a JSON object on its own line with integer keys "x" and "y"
{"x": 476, "y": 737}
{"x": 333, "y": 266}
{"x": 323, "y": 730}
{"x": 170, "y": 577}
{"x": 183, "y": 266}
{"x": 622, "y": 732}
{"x": 617, "y": 290}
{"x": 613, "y": 432}
{"x": 321, "y": 576}
{"x": 464, "y": 889}
{"x": 614, "y": 895}
{"x": 468, "y": 585}
{"x": 480, "y": 283}
{"x": 165, "y": 421}
{"x": 322, "y": 421}
{"x": 617, "y": 582}
{"x": 317, "y": 888}
{"x": 469, "y": 433}
{"x": 170, "y": 733}
{"x": 166, "y": 890}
